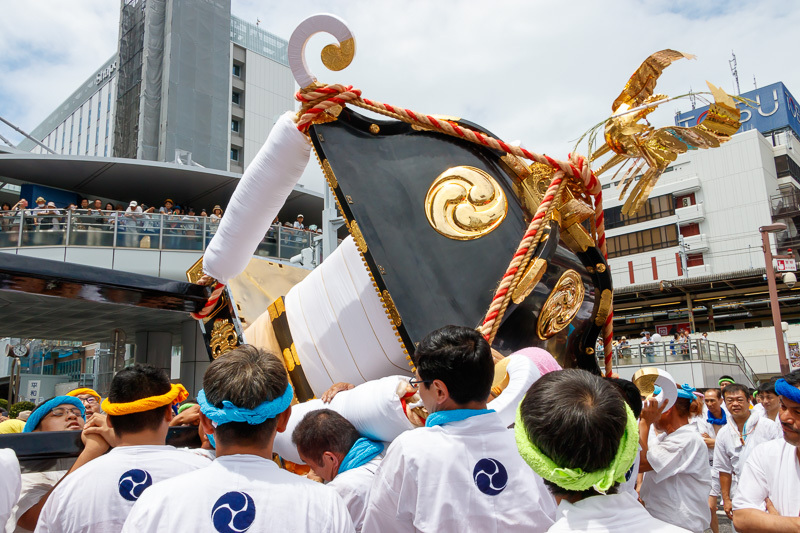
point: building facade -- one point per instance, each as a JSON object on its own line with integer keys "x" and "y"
{"x": 190, "y": 83}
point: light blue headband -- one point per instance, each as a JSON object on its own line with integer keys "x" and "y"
{"x": 685, "y": 391}
{"x": 231, "y": 413}
{"x": 43, "y": 410}
{"x": 787, "y": 391}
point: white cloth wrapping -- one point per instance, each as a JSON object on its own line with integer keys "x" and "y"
{"x": 608, "y": 514}
{"x": 266, "y": 184}
{"x": 98, "y": 496}
{"x": 239, "y": 493}
{"x": 461, "y": 476}
{"x": 522, "y": 373}
{"x": 374, "y": 409}
{"x": 10, "y": 486}
{"x": 677, "y": 489}
{"x": 339, "y": 325}
{"x": 772, "y": 471}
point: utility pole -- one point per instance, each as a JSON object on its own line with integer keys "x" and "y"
{"x": 735, "y": 72}
{"x": 773, "y": 292}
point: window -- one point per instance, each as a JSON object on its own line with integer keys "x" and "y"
{"x": 694, "y": 260}
{"x": 235, "y": 126}
{"x": 643, "y": 241}
{"x": 658, "y": 207}
{"x": 235, "y": 154}
{"x": 237, "y": 70}
{"x": 690, "y": 230}
{"x": 236, "y": 98}
{"x": 684, "y": 201}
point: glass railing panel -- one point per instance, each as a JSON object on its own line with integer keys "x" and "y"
{"x": 182, "y": 232}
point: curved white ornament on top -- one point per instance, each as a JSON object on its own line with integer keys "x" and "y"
{"x": 669, "y": 389}
{"x": 334, "y": 57}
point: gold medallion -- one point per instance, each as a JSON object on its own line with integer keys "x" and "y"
{"x": 223, "y": 338}
{"x": 562, "y": 305}
{"x": 465, "y": 203}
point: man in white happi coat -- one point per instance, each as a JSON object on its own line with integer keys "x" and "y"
{"x": 715, "y": 418}
{"x": 337, "y": 453}
{"x": 462, "y": 471}
{"x": 768, "y": 496}
{"x": 98, "y": 496}
{"x": 677, "y": 478}
{"x": 245, "y": 401}
{"x": 744, "y": 431}
{"x": 12, "y": 482}
{"x": 586, "y": 476}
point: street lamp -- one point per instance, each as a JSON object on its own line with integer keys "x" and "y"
{"x": 773, "y": 292}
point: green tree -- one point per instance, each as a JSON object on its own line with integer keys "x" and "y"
{"x": 18, "y": 407}
{"x": 3, "y": 404}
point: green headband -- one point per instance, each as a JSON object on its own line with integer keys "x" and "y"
{"x": 725, "y": 380}
{"x": 575, "y": 479}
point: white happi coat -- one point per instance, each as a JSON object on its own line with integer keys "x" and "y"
{"x": 772, "y": 471}
{"x": 353, "y": 486}
{"x": 239, "y": 493}
{"x": 462, "y": 476}
{"x": 676, "y": 490}
{"x": 10, "y": 486}
{"x": 608, "y": 514}
{"x": 98, "y": 496}
{"x": 730, "y": 454}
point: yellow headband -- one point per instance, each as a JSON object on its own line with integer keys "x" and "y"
{"x": 177, "y": 393}
{"x": 91, "y": 392}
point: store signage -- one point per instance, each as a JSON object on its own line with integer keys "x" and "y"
{"x": 786, "y": 265}
{"x": 106, "y": 73}
{"x": 34, "y": 387}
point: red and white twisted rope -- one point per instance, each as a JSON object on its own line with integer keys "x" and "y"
{"x": 317, "y": 99}
{"x": 216, "y": 294}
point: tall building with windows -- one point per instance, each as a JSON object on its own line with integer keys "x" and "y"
{"x": 190, "y": 83}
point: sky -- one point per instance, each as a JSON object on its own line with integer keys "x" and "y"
{"x": 541, "y": 72}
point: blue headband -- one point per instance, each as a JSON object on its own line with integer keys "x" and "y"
{"x": 656, "y": 390}
{"x": 43, "y": 410}
{"x": 685, "y": 391}
{"x": 231, "y": 413}
{"x": 789, "y": 391}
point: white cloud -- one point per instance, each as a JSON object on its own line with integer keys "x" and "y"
{"x": 539, "y": 71}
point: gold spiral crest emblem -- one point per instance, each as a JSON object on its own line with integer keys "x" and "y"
{"x": 465, "y": 203}
{"x": 562, "y": 305}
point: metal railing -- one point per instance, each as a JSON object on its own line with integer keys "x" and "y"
{"x": 681, "y": 351}
{"x": 118, "y": 229}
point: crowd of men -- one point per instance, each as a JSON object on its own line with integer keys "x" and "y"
{"x": 585, "y": 453}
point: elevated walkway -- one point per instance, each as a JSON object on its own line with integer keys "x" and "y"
{"x": 697, "y": 362}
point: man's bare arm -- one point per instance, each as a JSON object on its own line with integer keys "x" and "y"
{"x": 756, "y": 521}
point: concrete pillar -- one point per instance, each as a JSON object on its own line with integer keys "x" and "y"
{"x": 154, "y": 348}
{"x": 194, "y": 357}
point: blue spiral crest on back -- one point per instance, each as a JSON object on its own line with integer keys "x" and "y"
{"x": 133, "y": 482}
{"x": 233, "y": 512}
{"x": 490, "y": 476}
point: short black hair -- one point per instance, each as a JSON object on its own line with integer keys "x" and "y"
{"x": 630, "y": 393}
{"x": 726, "y": 376}
{"x": 323, "y": 431}
{"x": 683, "y": 406}
{"x": 793, "y": 378}
{"x": 715, "y": 391}
{"x": 461, "y": 358}
{"x": 134, "y": 383}
{"x": 246, "y": 376}
{"x": 736, "y": 387}
{"x": 576, "y": 419}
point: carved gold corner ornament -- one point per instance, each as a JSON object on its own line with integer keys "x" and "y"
{"x": 465, "y": 203}
{"x": 577, "y": 238}
{"x": 562, "y": 305}
{"x": 355, "y": 231}
{"x": 394, "y": 314}
{"x": 195, "y": 272}
{"x": 604, "y": 308}
{"x": 223, "y": 337}
{"x": 533, "y": 274}
{"x": 331, "y": 177}
{"x": 290, "y": 358}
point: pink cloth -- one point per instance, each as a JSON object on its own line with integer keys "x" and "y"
{"x": 541, "y": 358}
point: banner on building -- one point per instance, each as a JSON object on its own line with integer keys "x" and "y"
{"x": 794, "y": 356}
